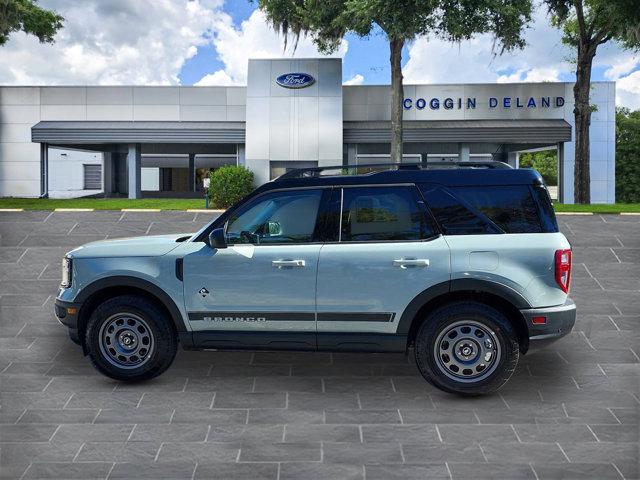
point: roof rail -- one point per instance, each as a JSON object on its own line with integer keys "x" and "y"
{"x": 353, "y": 169}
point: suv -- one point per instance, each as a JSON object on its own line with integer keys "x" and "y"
{"x": 464, "y": 265}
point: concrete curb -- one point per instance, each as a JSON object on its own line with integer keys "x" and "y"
{"x": 574, "y": 213}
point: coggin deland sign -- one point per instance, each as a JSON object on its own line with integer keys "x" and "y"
{"x": 469, "y": 103}
{"x": 302, "y": 80}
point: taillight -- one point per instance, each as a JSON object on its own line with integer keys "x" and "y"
{"x": 563, "y": 269}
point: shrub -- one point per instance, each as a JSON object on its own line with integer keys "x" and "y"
{"x": 545, "y": 162}
{"x": 627, "y": 156}
{"x": 229, "y": 184}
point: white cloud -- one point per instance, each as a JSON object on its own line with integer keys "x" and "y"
{"x": 357, "y": 79}
{"x": 622, "y": 65}
{"x": 253, "y": 39}
{"x": 114, "y": 42}
{"x": 531, "y": 75}
{"x": 219, "y": 77}
{"x": 628, "y": 91}
{"x": 436, "y": 61}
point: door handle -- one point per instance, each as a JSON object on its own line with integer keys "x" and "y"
{"x": 288, "y": 263}
{"x": 411, "y": 262}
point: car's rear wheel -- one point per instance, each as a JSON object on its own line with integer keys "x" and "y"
{"x": 467, "y": 348}
{"x": 129, "y": 338}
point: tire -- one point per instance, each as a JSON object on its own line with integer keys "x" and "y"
{"x": 129, "y": 338}
{"x": 457, "y": 362}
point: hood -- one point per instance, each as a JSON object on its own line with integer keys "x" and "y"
{"x": 149, "y": 246}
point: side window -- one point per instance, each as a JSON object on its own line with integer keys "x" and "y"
{"x": 452, "y": 215}
{"x": 382, "y": 214}
{"x": 511, "y": 207}
{"x": 275, "y": 218}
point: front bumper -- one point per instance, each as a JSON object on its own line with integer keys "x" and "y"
{"x": 67, "y": 315}
{"x": 559, "y": 322}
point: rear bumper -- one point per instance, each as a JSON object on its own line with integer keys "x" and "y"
{"x": 559, "y": 322}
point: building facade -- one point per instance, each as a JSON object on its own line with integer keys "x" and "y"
{"x": 162, "y": 141}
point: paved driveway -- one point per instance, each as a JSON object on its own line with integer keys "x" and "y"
{"x": 570, "y": 411}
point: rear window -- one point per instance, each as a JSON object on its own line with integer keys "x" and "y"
{"x": 453, "y": 217}
{"x": 511, "y": 207}
{"x": 473, "y": 210}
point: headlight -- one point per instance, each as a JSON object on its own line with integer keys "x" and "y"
{"x": 66, "y": 273}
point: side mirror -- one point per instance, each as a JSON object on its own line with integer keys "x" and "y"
{"x": 217, "y": 238}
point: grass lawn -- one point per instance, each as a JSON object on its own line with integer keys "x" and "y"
{"x": 102, "y": 203}
{"x": 198, "y": 203}
{"x": 598, "y": 208}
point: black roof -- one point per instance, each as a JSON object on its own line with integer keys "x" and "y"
{"x": 452, "y": 177}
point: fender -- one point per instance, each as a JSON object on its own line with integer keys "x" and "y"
{"x": 125, "y": 281}
{"x": 458, "y": 285}
{"x": 506, "y": 292}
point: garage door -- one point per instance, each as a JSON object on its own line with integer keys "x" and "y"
{"x": 93, "y": 177}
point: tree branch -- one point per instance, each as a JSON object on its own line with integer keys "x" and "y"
{"x": 580, "y": 14}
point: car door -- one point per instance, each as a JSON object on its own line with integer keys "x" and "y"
{"x": 387, "y": 252}
{"x": 260, "y": 290}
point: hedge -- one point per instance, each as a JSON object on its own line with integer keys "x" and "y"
{"x": 229, "y": 184}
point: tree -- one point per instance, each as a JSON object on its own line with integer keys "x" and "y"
{"x": 587, "y": 24}
{"x": 328, "y": 21}
{"x": 627, "y": 156}
{"x": 545, "y": 162}
{"x": 28, "y": 17}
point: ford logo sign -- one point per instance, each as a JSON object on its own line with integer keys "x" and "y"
{"x": 295, "y": 80}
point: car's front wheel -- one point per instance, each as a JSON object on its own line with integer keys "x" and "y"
{"x": 467, "y": 348}
{"x": 129, "y": 338}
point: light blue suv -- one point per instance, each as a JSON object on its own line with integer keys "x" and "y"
{"x": 465, "y": 266}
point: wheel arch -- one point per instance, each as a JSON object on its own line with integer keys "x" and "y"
{"x": 499, "y": 296}
{"x": 97, "y": 292}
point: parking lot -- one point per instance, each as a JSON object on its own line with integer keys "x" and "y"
{"x": 570, "y": 411}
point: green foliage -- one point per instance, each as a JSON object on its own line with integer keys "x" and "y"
{"x": 627, "y": 156}
{"x": 545, "y": 162}
{"x": 229, "y": 184}
{"x": 28, "y": 17}
{"x": 328, "y": 21}
{"x": 593, "y": 22}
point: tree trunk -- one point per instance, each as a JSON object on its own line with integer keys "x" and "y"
{"x": 397, "y": 97}
{"x": 582, "y": 114}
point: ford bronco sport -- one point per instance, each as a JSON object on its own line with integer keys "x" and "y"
{"x": 462, "y": 263}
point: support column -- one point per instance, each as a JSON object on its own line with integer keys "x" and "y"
{"x": 560, "y": 156}
{"x": 44, "y": 170}
{"x": 352, "y": 153}
{"x": 513, "y": 159}
{"x": 241, "y": 159}
{"x": 192, "y": 172}
{"x": 133, "y": 170}
{"x": 107, "y": 173}
{"x": 464, "y": 152}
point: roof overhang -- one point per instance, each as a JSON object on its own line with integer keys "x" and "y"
{"x": 58, "y": 132}
{"x": 436, "y": 131}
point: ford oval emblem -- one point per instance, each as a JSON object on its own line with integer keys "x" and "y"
{"x": 295, "y": 80}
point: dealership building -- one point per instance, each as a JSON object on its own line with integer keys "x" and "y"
{"x": 147, "y": 141}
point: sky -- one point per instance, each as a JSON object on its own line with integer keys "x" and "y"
{"x": 208, "y": 42}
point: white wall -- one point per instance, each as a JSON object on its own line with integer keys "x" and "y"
{"x": 150, "y": 179}
{"x": 66, "y": 172}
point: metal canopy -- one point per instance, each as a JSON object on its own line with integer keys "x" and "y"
{"x": 137, "y": 132}
{"x": 438, "y": 131}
